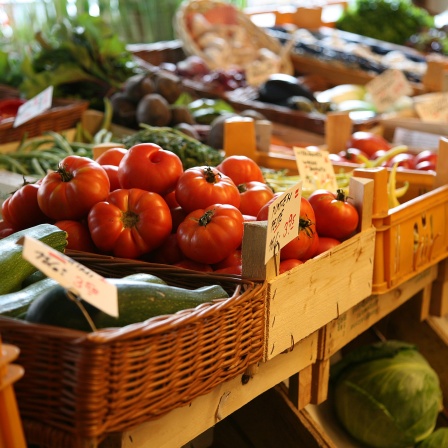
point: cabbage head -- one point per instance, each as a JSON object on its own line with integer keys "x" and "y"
{"x": 438, "y": 439}
{"x": 386, "y": 395}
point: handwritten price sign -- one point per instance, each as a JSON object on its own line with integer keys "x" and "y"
{"x": 72, "y": 275}
{"x": 283, "y": 220}
{"x": 34, "y": 107}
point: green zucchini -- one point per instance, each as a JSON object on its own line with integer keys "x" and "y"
{"x": 137, "y": 301}
{"x": 16, "y": 303}
{"x": 144, "y": 277}
{"x": 14, "y": 267}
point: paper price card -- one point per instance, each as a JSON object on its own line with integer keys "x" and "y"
{"x": 387, "y": 88}
{"x": 315, "y": 168}
{"x": 33, "y": 107}
{"x": 434, "y": 109}
{"x": 283, "y": 220}
{"x": 72, "y": 275}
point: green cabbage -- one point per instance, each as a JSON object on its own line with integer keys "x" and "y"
{"x": 438, "y": 439}
{"x": 386, "y": 395}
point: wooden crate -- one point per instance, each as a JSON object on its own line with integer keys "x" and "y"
{"x": 306, "y": 298}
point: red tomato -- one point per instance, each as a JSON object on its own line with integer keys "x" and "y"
{"x": 112, "y": 156}
{"x": 263, "y": 214}
{"x": 335, "y": 217}
{"x": 130, "y": 223}
{"x": 5, "y": 229}
{"x": 78, "y": 235}
{"x": 234, "y": 259}
{"x": 427, "y": 155}
{"x": 149, "y": 167}
{"x": 353, "y": 155}
{"x": 234, "y": 270}
{"x": 326, "y": 243}
{"x": 178, "y": 214}
{"x": 170, "y": 199}
{"x": 253, "y": 195}
{"x": 112, "y": 174}
{"x": 202, "y": 186}
{"x": 21, "y": 210}
{"x": 301, "y": 244}
{"x": 194, "y": 266}
{"x": 377, "y": 154}
{"x": 287, "y": 265}
{"x": 168, "y": 252}
{"x": 426, "y": 165}
{"x": 249, "y": 218}
{"x": 241, "y": 169}
{"x": 404, "y": 160}
{"x": 72, "y": 190}
{"x": 312, "y": 250}
{"x": 368, "y": 142}
{"x": 209, "y": 235}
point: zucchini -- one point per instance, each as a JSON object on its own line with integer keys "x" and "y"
{"x": 147, "y": 278}
{"x": 14, "y": 267}
{"x": 137, "y": 301}
{"x": 16, "y": 303}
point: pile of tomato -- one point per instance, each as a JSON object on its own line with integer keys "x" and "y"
{"x": 140, "y": 203}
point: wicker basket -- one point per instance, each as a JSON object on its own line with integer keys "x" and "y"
{"x": 255, "y": 35}
{"x": 81, "y": 387}
{"x": 63, "y": 115}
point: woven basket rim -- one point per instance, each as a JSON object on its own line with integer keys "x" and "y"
{"x": 254, "y": 31}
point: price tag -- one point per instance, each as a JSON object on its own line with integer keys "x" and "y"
{"x": 34, "y": 107}
{"x": 283, "y": 220}
{"x": 73, "y": 276}
{"x": 315, "y": 168}
{"x": 387, "y": 88}
{"x": 434, "y": 109}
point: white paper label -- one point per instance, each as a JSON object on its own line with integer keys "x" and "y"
{"x": 34, "y": 107}
{"x": 75, "y": 277}
{"x": 315, "y": 169}
{"x": 416, "y": 140}
{"x": 387, "y": 88}
{"x": 433, "y": 110}
{"x": 283, "y": 220}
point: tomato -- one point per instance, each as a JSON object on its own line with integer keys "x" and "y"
{"x": 112, "y": 156}
{"x": 426, "y": 165}
{"x": 21, "y": 210}
{"x": 112, "y": 174}
{"x": 233, "y": 270}
{"x": 170, "y": 199}
{"x": 78, "y": 235}
{"x": 253, "y": 195}
{"x": 301, "y": 244}
{"x": 241, "y": 169}
{"x": 263, "y": 213}
{"x": 210, "y": 235}
{"x": 326, "y": 243}
{"x": 368, "y": 142}
{"x": 178, "y": 214}
{"x": 149, "y": 167}
{"x": 168, "y": 252}
{"x": 72, "y": 190}
{"x": 249, "y": 218}
{"x": 202, "y": 186}
{"x": 312, "y": 250}
{"x": 234, "y": 259}
{"x": 378, "y": 154}
{"x": 288, "y": 264}
{"x": 353, "y": 155}
{"x": 130, "y": 223}
{"x": 426, "y": 155}
{"x": 335, "y": 216}
{"x": 5, "y": 229}
{"x": 404, "y": 160}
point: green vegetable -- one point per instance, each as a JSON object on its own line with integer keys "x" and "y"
{"x": 438, "y": 439}
{"x": 16, "y": 303}
{"x": 11, "y": 260}
{"x": 137, "y": 301}
{"x": 191, "y": 151}
{"x": 386, "y": 395}
{"x": 388, "y": 20}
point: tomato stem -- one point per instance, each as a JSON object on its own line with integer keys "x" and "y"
{"x": 211, "y": 176}
{"x": 340, "y": 195}
{"x": 206, "y": 218}
{"x": 129, "y": 219}
{"x": 66, "y": 175}
{"x": 305, "y": 225}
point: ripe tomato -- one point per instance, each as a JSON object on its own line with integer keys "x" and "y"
{"x": 209, "y": 235}
{"x": 78, "y": 235}
{"x": 368, "y": 142}
{"x": 301, "y": 244}
{"x": 241, "y": 169}
{"x": 170, "y": 199}
{"x": 234, "y": 259}
{"x": 178, "y": 214}
{"x": 312, "y": 250}
{"x": 335, "y": 217}
{"x": 263, "y": 213}
{"x": 202, "y": 186}
{"x": 71, "y": 190}
{"x": 112, "y": 156}
{"x": 112, "y": 174}
{"x": 353, "y": 155}
{"x": 427, "y": 155}
{"x": 21, "y": 210}
{"x": 233, "y": 270}
{"x": 253, "y": 195}
{"x": 168, "y": 252}
{"x": 287, "y": 265}
{"x": 149, "y": 167}
{"x": 130, "y": 223}
{"x": 326, "y": 243}
{"x": 5, "y": 229}
{"x": 194, "y": 265}
{"x": 404, "y": 160}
